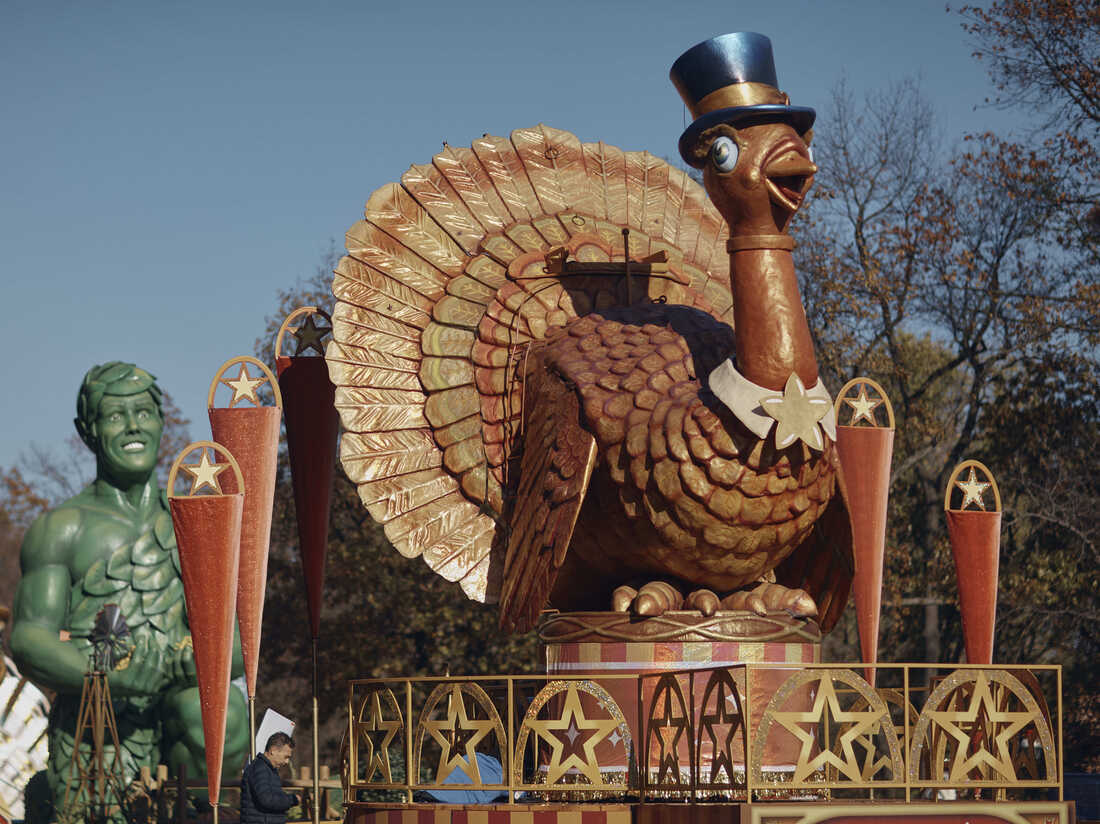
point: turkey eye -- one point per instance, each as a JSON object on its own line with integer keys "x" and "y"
{"x": 723, "y": 154}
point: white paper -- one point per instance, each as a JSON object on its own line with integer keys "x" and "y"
{"x": 272, "y": 723}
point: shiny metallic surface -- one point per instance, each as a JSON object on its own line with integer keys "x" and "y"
{"x": 731, "y": 79}
{"x": 739, "y": 57}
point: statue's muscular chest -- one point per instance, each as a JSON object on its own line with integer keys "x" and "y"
{"x": 130, "y": 561}
{"x": 100, "y": 536}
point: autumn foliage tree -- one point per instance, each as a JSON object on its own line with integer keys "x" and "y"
{"x": 965, "y": 280}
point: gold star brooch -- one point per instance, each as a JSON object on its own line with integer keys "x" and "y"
{"x": 797, "y": 415}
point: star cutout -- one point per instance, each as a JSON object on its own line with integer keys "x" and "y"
{"x": 205, "y": 474}
{"x": 722, "y": 724}
{"x": 244, "y": 387}
{"x": 862, "y": 731}
{"x": 378, "y": 733}
{"x": 576, "y": 740}
{"x": 309, "y": 337}
{"x": 796, "y": 415}
{"x": 863, "y": 408}
{"x": 669, "y": 731}
{"x": 458, "y": 736}
{"x": 972, "y": 490}
{"x": 976, "y": 727}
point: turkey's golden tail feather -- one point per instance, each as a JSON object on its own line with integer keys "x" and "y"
{"x": 443, "y": 288}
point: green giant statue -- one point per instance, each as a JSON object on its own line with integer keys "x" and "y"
{"x": 114, "y": 543}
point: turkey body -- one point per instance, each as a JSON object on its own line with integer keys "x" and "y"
{"x": 528, "y": 413}
{"x": 681, "y": 490}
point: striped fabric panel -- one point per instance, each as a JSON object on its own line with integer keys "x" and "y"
{"x": 496, "y": 814}
{"x": 592, "y": 658}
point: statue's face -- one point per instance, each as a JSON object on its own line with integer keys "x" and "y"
{"x": 127, "y": 435}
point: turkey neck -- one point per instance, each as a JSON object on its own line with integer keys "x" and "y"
{"x": 773, "y": 337}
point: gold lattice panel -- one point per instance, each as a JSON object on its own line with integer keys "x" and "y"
{"x": 721, "y": 735}
{"x": 379, "y": 728}
{"x": 986, "y": 727}
{"x": 843, "y": 729}
{"x": 460, "y": 720}
{"x": 566, "y": 723}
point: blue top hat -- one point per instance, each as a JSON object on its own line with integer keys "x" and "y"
{"x": 731, "y": 79}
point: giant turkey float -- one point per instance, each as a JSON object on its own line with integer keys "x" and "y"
{"x": 580, "y": 385}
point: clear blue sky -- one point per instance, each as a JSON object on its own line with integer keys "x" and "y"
{"x": 165, "y": 167}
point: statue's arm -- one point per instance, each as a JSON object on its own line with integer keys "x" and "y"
{"x": 42, "y": 604}
{"x": 238, "y": 654}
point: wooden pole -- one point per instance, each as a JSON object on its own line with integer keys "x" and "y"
{"x": 162, "y": 799}
{"x": 181, "y": 795}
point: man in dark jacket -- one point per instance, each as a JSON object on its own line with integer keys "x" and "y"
{"x": 262, "y": 798}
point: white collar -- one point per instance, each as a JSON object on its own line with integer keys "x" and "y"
{"x": 745, "y": 400}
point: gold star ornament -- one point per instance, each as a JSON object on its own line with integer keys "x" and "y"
{"x": 981, "y": 733}
{"x": 797, "y": 415}
{"x": 573, "y": 737}
{"x": 973, "y": 490}
{"x": 458, "y": 736}
{"x": 244, "y": 387}
{"x": 378, "y": 732}
{"x": 854, "y": 727}
{"x": 863, "y": 407}
{"x": 865, "y": 400}
{"x": 205, "y": 474}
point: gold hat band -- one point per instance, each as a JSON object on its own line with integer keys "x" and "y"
{"x": 739, "y": 94}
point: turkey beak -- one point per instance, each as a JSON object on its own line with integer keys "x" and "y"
{"x": 788, "y": 173}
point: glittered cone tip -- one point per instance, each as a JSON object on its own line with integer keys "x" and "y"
{"x": 208, "y": 534}
{"x": 976, "y": 545}
{"x": 865, "y": 455}
{"x": 252, "y": 435}
{"x": 312, "y": 428}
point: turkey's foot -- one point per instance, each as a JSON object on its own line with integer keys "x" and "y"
{"x": 767, "y": 597}
{"x": 659, "y": 597}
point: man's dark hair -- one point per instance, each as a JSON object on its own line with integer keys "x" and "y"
{"x": 279, "y": 739}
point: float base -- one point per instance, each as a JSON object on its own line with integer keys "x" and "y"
{"x": 920, "y": 812}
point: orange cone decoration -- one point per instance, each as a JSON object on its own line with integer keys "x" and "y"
{"x": 312, "y": 427}
{"x": 252, "y": 435}
{"x": 865, "y": 455}
{"x": 976, "y": 543}
{"x": 208, "y": 534}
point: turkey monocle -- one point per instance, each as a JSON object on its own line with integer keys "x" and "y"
{"x": 544, "y": 422}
